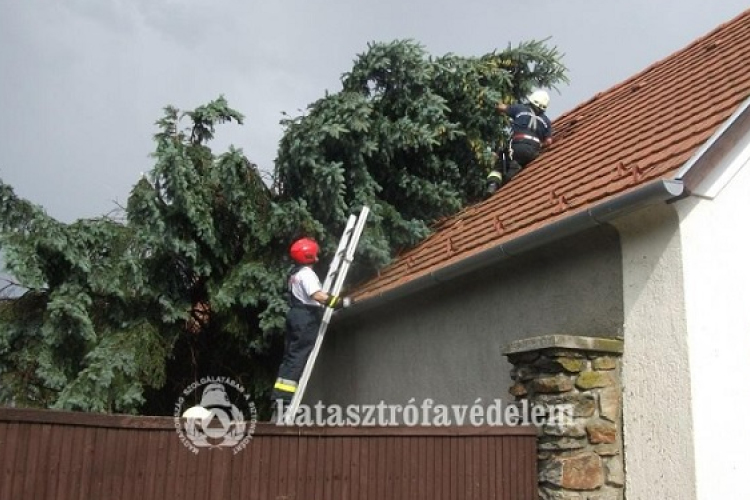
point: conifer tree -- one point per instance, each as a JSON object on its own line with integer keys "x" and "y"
{"x": 408, "y": 135}
{"x": 121, "y": 314}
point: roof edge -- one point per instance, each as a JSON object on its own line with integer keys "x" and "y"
{"x": 658, "y": 191}
{"x": 646, "y": 69}
{"x": 694, "y": 160}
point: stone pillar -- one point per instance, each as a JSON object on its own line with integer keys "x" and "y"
{"x": 580, "y": 455}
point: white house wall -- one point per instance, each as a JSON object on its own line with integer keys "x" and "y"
{"x": 656, "y": 374}
{"x": 716, "y": 250}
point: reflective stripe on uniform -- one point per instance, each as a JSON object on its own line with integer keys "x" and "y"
{"x": 537, "y": 126}
{"x": 285, "y": 385}
{"x": 495, "y": 176}
{"x": 519, "y": 137}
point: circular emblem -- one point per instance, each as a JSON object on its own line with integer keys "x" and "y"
{"x": 224, "y": 418}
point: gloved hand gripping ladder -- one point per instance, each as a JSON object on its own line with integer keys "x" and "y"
{"x": 335, "y": 278}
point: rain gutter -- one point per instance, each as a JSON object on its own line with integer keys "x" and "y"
{"x": 658, "y": 191}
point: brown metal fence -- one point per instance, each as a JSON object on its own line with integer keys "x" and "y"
{"x": 65, "y": 456}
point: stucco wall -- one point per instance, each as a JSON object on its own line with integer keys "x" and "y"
{"x": 717, "y": 296}
{"x": 446, "y": 343}
{"x": 657, "y": 419}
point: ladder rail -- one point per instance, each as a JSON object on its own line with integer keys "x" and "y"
{"x": 340, "y": 252}
{"x": 338, "y": 270}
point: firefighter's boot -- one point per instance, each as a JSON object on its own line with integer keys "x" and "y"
{"x": 494, "y": 181}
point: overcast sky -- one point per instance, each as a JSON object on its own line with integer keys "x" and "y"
{"x": 82, "y": 81}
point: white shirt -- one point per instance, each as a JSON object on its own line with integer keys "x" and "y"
{"x": 304, "y": 283}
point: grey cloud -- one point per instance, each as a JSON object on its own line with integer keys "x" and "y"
{"x": 82, "y": 81}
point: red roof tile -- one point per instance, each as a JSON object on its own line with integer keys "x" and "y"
{"x": 643, "y": 129}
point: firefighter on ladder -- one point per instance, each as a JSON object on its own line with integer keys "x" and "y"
{"x": 307, "y": 300}
{"x": 531, "y": 130}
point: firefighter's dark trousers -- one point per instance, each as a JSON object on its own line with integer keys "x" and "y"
{"x": 302, "y": 325}
{"x": 523, "y": 152}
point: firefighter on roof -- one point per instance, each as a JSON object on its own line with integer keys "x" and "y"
{"x": 306, "y": 306}
{"x": 531, "y": 130}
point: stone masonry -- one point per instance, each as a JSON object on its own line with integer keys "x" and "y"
{"x": 580, "y": 444}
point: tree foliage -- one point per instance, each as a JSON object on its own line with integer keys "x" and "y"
{"x": 120, "y": 315}
{"x": 408, "y": 135}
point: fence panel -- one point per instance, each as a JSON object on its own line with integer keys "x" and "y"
{"x": 57, "y": 455}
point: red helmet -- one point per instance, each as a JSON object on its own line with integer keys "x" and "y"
{"x": 304, "y": 251}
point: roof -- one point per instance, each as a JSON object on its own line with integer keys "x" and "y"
{"x": 638, "y": 131}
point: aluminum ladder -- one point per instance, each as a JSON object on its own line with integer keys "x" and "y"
{"x": 333, "y": 283}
